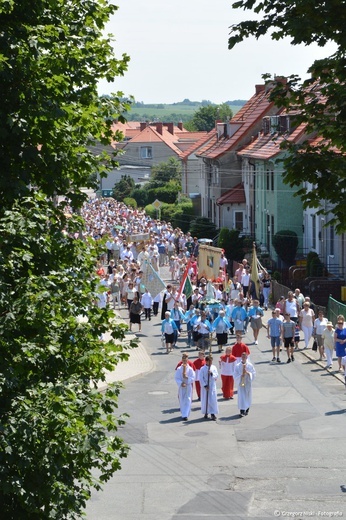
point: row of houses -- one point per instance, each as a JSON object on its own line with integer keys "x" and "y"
{"x": 236, "y": 172}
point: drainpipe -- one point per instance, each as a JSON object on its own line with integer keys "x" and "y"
{"x": 252, "y": 231}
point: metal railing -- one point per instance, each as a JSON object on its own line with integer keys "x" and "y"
{"x": 334, "y": 309}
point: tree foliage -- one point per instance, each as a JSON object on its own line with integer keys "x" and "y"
{"x": 285, "y": 243}
{"x": 123, "y": 188}
{"x": 204, "y": 118}
{"x": 203, "y": 227}
{"x": 141, "y": 196}
{"x": 164, "y": 184}
{"x": 319, "y": 101}
{"x": 314, "y": 266}
{"x": 232, "y": 243}
{"x": 165, "y": 172}
{"x": 56, "y": 428}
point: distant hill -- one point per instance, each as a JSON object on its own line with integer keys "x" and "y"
{"x": 174, "y": 112}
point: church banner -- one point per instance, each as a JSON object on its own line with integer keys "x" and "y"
{"x": 151, "y": 280}
{"x": 139, "y": 237}
{"x": 209, "y": 262}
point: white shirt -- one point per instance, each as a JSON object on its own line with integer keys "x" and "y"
{"x": 245, "y": 279}
{"x": 320, "y": 325}
{"x": 146, "y": 300}
{"x": 223, "y": 263}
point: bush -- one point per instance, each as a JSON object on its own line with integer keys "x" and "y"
{"x": 232, "y": 243}
{"x": 314, "y": 266}
{"x": 181, "y": 215}
{"x": 129, "y": 201}
{"x": 166, "y": 193}
{"x": 224, "y": 241}
{"x": 150, "y": 211}
{"x": 178, "y": 214}
{"x": 203, "y": 227}
{"x": 285, "y": 243}
{"x": 141, "y": 196}
{"x": 277, "y": 276}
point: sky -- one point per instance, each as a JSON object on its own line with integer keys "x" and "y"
{"x": 179, "y": 50}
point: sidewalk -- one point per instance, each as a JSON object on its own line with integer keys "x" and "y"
{"x": 139, "y": 361}
{"x": 309, "y": 353}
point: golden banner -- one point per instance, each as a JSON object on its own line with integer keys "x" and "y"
{"x": 209, "y": 262}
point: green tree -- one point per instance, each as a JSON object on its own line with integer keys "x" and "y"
{"x": 57, "y": 430}
{"x": 314, "y": 266}
{"x": 204, "y": 118}
{"x": 203, "y": 227}
{"x": 123, "y": 188}
{"x": 141, "y": 196}
{"x": 131, "y": 202}
{"x": 232, "y": 243}
{"x": 285, "y": 243}
{"x": 165, "y": 172}
{"x": 179, "y": 214}
{"x": 318, "y": 101}
{"x": 167, "y": 193}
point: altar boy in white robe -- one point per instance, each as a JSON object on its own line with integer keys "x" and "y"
{"x": 208, "y": 375}
{"x": 244, "y": 374}
{"x": 184, "y": 377}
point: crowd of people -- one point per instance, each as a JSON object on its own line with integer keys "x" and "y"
{"x": 133, "y": 238}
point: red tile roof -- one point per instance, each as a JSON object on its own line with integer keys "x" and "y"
{"x": 321, "y": 141}
{"x": 235, "y": 195}
{"x": 247, "y": 117}
{"x": 150, "y": 135}
{"x": 178, "y": 141}
{"x": 267, "y": 146}
{"x": 198, "y": 145}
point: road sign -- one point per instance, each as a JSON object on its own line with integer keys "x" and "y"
{"x": 157, "y": 204}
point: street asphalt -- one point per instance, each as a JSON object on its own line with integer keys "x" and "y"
{"x": 285, "y": 459}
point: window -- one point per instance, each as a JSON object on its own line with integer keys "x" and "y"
{"x": 239, "y": 220}
{"x": 285, "y": 125}
{"x": 146, "y": 152}
{"x": 274, "y": 124}
{"x": 313, "y": 231}
{"x": 331, "y": 240}
{"x": 266, "y": 125}
{"x": 270, "y": 179}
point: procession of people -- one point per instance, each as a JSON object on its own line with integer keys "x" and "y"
{"x": 208, "y": 315}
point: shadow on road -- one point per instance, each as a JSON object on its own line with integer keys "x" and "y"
{"x": 336, "y": 412}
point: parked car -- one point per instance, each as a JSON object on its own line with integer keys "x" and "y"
{"x": 205, "y": 241}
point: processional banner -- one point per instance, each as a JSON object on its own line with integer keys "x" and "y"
{"x": 209, "y": 262}
{"x": 151, "y": 280}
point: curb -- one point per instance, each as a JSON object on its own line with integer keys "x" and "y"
{"x": 338, "y": 375}
{"x": 138, "y": 363}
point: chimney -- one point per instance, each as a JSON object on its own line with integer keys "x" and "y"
{"x": 159, "y": 128}
{"x": 170, "y": 128}
{"x": 142, "y": 126}
{"x": 281, "y": 81}
{"x": 259, "y": 88}
{"x": 180, "y": 125}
